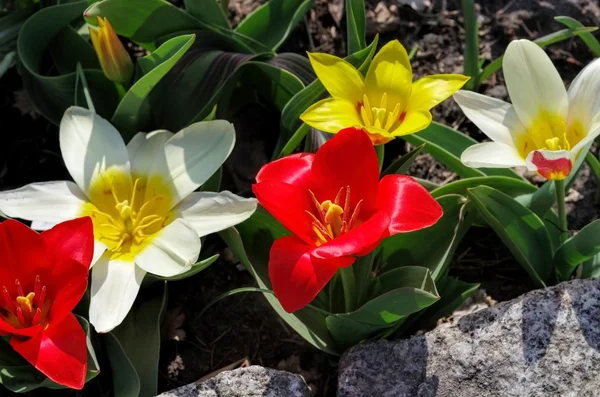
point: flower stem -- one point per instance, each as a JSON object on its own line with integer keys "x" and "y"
{"x": 562, "y": 215}
{"x": 349, "y": 284}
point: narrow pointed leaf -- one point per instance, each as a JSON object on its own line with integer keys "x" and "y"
{"x": 519, "y": 228}
{"x": 577, "y": 249}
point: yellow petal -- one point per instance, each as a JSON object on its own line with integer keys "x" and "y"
{"x": 331, "y": 115}
{"x": 414, "y": 121}
{"x": 378, "y": 136}
{"x": 429, "y": 91}
{"x": 339, "y": 77}
{"x": 390, "y": 73}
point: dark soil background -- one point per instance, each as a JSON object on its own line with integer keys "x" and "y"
{"x": 243, "y": 329}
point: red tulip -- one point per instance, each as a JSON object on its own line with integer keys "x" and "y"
{"x": 337, "y": 208}
{"x": 42, "y": 278}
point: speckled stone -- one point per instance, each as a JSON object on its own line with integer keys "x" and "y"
{"x": 254, "y": 381}
{"x": 543, "y": 344}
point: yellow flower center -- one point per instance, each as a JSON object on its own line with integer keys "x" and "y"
{"x": 25, "y": 310}
{"x": 128, "y": 216}
{"x": 331, "y": 219}
{"x": 549, "y": 131}
{"x": 380, "y": 117}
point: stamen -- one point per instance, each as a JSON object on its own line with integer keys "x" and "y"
{"x": 567, "y": 144}
{"x": 8, "y": 300}
{"x": 392, "y": 117}
{"x": 346, "y": 205}
{"x": 19, "y": 288}
{"x": 135, "y": 184}
{"x": 383, "y": 103}
{"x": 37, "y": 317}
{"x": 36, "y": 290}
{"x": 337, "y": 197}
{"x": 148, "y": 221}
{"x": 42, "y": 299}
{"x": 354, "y": 215}
{"x": 20, "y": 316}
{"x": 317, "y": 205}
{"x": 367, "y": 116}
{"x": 323, "y": 230}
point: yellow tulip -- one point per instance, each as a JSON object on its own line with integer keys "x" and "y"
{"x": 114, "y": 59}
{"x": 386, "y": 103}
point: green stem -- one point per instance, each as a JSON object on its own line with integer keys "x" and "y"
{"x": 562, "y": 215}
{"x": 471, "y": 58}
{"x": 380, "y": 150}
{"x": 121, "y": 90}
{"x": 349, "y": 284}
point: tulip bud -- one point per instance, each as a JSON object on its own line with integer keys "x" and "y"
{"x": 114, "y": 59}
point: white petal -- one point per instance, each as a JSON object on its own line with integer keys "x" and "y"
{"x": 42, "y": 226}
{"x": 173, "y": 251}
{"x": 491, "y": 155}
{"x": 144, "y": 149}
{"x": 194, "y": 154}
{"x": 115, "y": 285}
{"x": 89, "y": 144}
{"x": 47, "y": 203}
{"x": 584, "y": 98}
{"x": 589, "y": 138}
{"x": 533, "y": 82}
{"x": 209, "y": 212}
{"x": 495, "y": 118}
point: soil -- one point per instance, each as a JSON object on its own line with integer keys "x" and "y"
{"x": 243, "y": 329}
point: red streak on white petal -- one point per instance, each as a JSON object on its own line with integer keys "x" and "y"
{"x": 557, "y": 169}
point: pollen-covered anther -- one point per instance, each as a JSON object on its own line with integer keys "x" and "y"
{"x": 333, "y": 219}
{"x": 25, "y": 310}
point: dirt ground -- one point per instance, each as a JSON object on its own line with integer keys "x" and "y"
{"x": 243, "y": 329}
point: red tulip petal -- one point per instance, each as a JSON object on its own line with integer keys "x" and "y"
{"x": 59, "y": 352}
{"x": 6, "y": 329}
{"x": 409, "y": 205}
{"x": 347, "y": 159}
{"x": 72, "y": 240}
{"x": 296, "y": 277}
{"x": 359, "y": 241}
{"x": 288, "y": 204}
{"x": 293, "y": 169}
{"x": 24, "y": 256}
{"x": 68, "y": 282}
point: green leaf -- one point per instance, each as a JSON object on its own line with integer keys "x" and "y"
{"x": 384, "y": 310}
{"x": 292, "y": 130}
{"x": 355, "y": 24}
{"x": 586, "y": 37}
{"x": 207, "y": 11}
{"x": 258, "y": 234}
{"x": 432, "y": 247}
{"x": 577, "y": 249}
{"x": 272, "y": 22}
{"x": 446, "y": 145}
{"x": 67, "y": 49}
{"x": 407, "y": 276}
{"x": 402, "y": 164}
{"x": 213, "y": 184}
{"x": 149, "y": 21}
{"x": 453, "y": 294}
{"x": 544, "y": 41}
{"x": 521, "y": 230}
{"x": 511, "y": 186}
{"x": 189, "y": 92}
{"x": 52, "y": 95}
{"x": 471, "y": 44}
{"x": 133, "y": 113}
{"x": 591, "y": 267}
{"x": 273, "y": 83}
{"x": 296, "y": 64}
{"x": 133, "y": 347}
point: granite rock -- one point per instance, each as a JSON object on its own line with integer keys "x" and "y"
{"x": 254, "y": 381}
{"x": 544, "y": 343}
